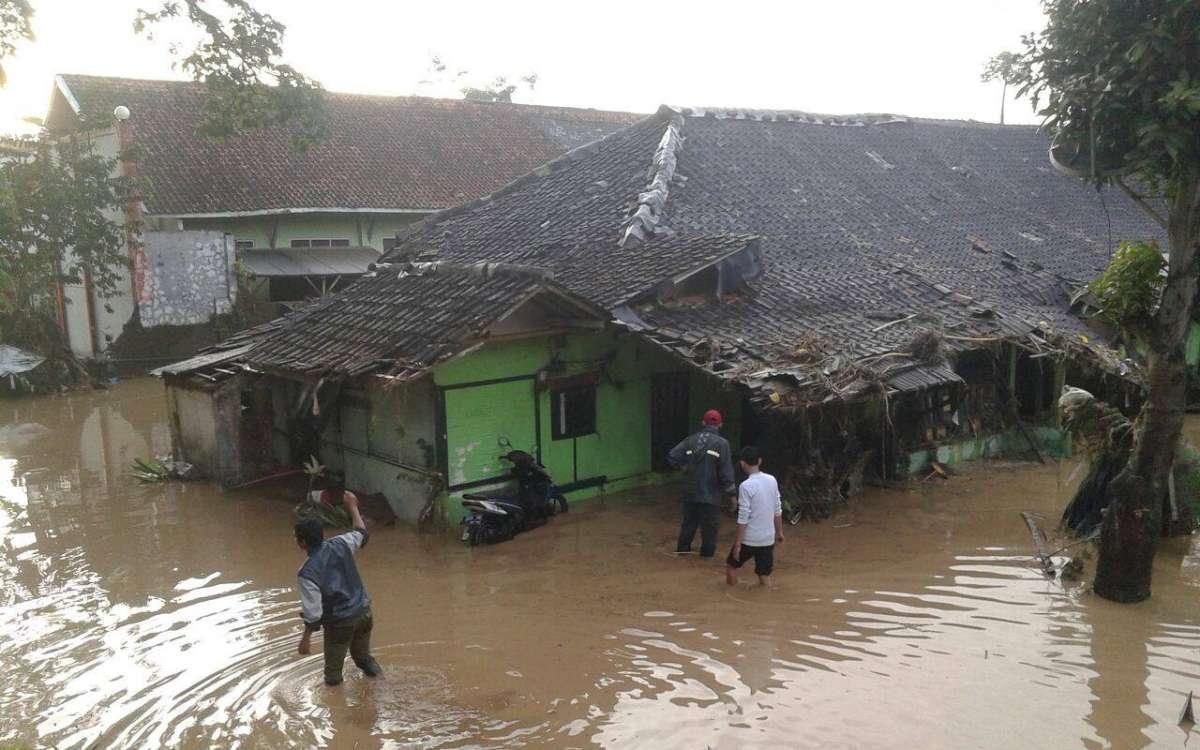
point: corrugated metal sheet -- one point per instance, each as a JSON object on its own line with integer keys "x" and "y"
{"x": 320, "y": 261}
{"x": 923, "y": 377}
{"x": 201, "y": 361}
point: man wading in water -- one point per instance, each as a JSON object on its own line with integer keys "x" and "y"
{"x": 705, "y": 456}
{"x": 759, "y": 521}
{"x": 332, "y": 593}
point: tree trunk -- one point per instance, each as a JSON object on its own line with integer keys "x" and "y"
{"x": 1133, "y": 521}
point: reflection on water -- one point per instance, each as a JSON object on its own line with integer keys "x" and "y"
{"x": 144, "y": 616}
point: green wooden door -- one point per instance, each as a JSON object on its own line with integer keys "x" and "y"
{"x": 482, "y": 421}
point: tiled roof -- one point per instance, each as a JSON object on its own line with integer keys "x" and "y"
{"x": 405, "y": 317}
{"x": 873, "y": 231}
{"x": 608, "y": 276}
{"x": 396, "y": 319}
{"x": 960, "y": 227}
{"x": 398, "y": 153}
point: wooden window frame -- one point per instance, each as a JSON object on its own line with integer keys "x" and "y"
{"x": 564, "y": 424}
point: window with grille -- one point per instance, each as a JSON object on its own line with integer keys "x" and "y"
{"x": 321, "y": 242}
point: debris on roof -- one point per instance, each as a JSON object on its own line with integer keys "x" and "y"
{"x": 872, "y": 282}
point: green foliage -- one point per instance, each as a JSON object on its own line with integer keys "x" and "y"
{"x": 150, "y": 471}
{"x": 16, "y": 18}
{"x": 1120, "y": 82}
{"x": 1001, "y": 67}
{"x": 313, "y": 467}
{"x": 54, "y": 228}
{"x": 238, "y": 61}
{"x": 329, "y": 516}
{"x": 500, "y": 89}
{"x": 1129, "y": 288}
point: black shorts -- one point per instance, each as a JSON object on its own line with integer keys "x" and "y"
{"x": 764, "y": 558}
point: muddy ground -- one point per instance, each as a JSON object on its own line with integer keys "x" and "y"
{"x": 148, "y": 616}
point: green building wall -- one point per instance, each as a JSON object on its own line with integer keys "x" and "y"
{"x": 498, "y": 385}
{"x": 460, "y": 418}
{"x": 390, "y": 439}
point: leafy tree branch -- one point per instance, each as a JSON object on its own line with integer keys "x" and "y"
{"x": 16, "y": 25}
{"x": 238, "y": 60}
{"x": 1118, "y": 86}
{"x": 499, "y": 89}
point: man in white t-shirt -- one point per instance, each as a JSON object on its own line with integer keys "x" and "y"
{"x": 759, "y": 520}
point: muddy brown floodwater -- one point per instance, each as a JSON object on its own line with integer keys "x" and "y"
{"x": 164, "y": 616}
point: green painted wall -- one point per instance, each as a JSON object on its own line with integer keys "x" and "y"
{"x": 478, "y": 417}
{"x": 365, "y": 230}
{"x": 380, "y": 434}
{"x": 1193, "y": 345}
{"x": 1050, "y": 440}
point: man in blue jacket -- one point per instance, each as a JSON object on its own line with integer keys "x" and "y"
{"x": 705, "y": 457}
{"x": 332, "y": 593}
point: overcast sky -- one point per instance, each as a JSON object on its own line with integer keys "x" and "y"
{"x": 915, "y": 57}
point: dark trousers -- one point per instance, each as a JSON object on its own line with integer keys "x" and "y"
{"x": 705, "y": 516}
{"x": 352, "y": 634}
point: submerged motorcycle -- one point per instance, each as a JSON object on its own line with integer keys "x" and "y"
{"x": 497, "y": 518}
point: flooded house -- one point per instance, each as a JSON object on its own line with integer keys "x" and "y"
{"x": 860, "y": 295}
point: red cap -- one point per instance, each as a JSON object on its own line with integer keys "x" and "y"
{"x": 713, "y": 417}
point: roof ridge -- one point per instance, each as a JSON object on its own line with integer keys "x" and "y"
{"x": 547, "y": 108}
{"x": 483, "y": 269}
{"x": 790, "y": 115}
{"x": 816, "y": 118}
{"x": 646, "y": 221}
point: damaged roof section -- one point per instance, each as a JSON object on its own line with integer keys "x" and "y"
{"x": 872, "y": 230}
{"x": 609, "y": 275}
{"x": 839, "y": 256}
{"x": 401, "y": 319}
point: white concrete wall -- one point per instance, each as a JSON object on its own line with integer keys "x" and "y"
{"x": 112, "y": 313}
{"x": 78, "y": 330}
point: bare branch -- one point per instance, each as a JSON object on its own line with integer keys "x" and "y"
{"x": 1141, "y": 201}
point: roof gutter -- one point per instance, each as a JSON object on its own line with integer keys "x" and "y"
{"x": 288, "y": 211}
